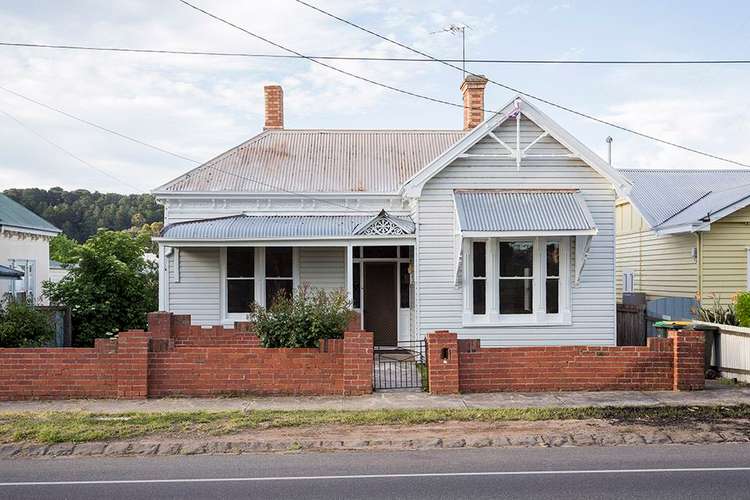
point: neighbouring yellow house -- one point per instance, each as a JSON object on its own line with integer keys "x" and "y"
{"x": 682, "y": 233}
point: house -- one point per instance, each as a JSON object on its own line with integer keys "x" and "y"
{"x": 682, "y": 233}
{"x": 24, "y": 247}
{"x": 502, "y": 231}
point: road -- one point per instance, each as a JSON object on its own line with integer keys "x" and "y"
{"x": 649, "y": 472}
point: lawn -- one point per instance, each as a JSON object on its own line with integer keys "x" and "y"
{"x": 55, "y": 427}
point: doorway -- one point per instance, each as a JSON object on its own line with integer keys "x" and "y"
{"x": 380, "y": 297}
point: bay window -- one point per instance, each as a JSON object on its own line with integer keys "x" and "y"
{"x": 517, "y": 281}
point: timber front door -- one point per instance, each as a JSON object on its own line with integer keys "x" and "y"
{"x": 380, "y": 313}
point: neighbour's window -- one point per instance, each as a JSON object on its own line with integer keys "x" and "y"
{"x": 553, "y": 277}
{"x": 279, "y": 276}
{"x": 404, "y": 281}
{"x": 479, "y": 277}
{"x": 240, "y": 279}
{"x": 356, "y": 285}
{"x": 24, "y": 288}
{"x": 516, "y": 287}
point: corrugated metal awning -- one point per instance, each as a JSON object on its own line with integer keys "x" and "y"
{"x": 280, "y": 227}
{"x": 523, "y": 212}
{"x": 10, "y": 273}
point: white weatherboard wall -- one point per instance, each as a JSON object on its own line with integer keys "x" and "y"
{"x": 36, "y": 248}
{"x": 323, "y": 268}
{"x": 198, "y": 292}
{"x": 440, "y": 302}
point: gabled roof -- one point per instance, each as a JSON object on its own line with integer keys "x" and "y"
{"x": 318, "y": 161}
{"x": 687, "y": 200}
{"x": 413, "y": 186}
{"x": 13, "y": 215}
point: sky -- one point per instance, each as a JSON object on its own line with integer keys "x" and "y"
{"x": 200, "y": 106}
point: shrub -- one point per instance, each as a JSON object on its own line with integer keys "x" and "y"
{"x": 742, "y": 308}
{"x": 22, "y": 325}
{"x": 716, "y": 312}
{"x": 302, "y": 319}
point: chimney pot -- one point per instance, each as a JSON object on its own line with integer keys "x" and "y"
{"x": 472, "y": 89}
{"x": 274, "y": 107}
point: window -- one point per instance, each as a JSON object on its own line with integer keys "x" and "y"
{"x": 628, "y": 282}
{"x": 356, "y": 285}
{"x": 516, "y": 287}
{"x": 479, "y": 277}
{"x": 24, "y": 287}
{"x": 240, "y": 279}
{"x": 523, "y": 282}
{"x": 279, "y": 276}
{"x": 552, "y": 279}
{"x": 404, "y": 282}
{"x": 379, "y": 252}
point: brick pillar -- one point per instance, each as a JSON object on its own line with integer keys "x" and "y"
{"x": 358, "y": 363}
{"x": 689, "y": 346}
{"x": 160, "y": 324}
{"x": 132, "y": 365}
{"x": 442, "y": 362}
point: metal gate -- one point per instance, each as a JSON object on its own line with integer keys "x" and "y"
{"x": 400, "y": 367}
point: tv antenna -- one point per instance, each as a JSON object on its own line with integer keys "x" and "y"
{"x": 455, "y": 29}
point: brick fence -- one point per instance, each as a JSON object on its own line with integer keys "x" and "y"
{"x": 674, "y": 363}
{"x": 175, "y": 358}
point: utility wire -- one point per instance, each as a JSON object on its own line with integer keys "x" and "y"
{"x": 526, "y": 94}
{"x": 374, "y": 58}
{"x": 67, "y": 152}
{"x": 143, "y": 143}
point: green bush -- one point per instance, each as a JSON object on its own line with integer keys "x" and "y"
{"x": 22, "y": 325}
{"x": 742, "y": 308}
{"x": 303, "y": 319}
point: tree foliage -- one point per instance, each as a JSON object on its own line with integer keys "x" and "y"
{"x": 110, "y": 289}
{"x": 81, "y": 213}
{"x": 303, "y": 319}
{"x": 742, "y": 306}
{"x": 22, "y": 325}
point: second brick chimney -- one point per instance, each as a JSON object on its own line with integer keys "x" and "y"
{"x": 472, "y": 89}
{"x": 274, "y": 97}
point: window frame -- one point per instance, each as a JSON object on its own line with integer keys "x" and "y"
{"x": 28, "y": 267}
{"x": 538, "y": 316}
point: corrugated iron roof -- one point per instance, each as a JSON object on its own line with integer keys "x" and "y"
{"x": 251, "y": 227}
{"x": 14, "y": 214}
{"x": 319, "y": 161}
{"x": 507, "y": 211}
{"x": 679, "y": 197}
{"x": 9, "y": 273}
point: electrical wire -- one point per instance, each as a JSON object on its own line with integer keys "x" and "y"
{"x": 382, "y": 59}
{"x": 525, "y": 94}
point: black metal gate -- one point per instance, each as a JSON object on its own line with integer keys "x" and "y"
{"x": 401, "y": 367}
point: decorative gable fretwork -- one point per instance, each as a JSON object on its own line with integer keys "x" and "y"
{"x": 384, "y": 224}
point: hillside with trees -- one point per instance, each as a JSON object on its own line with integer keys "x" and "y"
{"x": 81, "y": 213}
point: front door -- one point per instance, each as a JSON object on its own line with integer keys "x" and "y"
{"x": 380, "y": 314}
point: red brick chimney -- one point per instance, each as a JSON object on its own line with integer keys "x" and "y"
{"x": 472, "y": 89}
{"x": 274, "y": 96}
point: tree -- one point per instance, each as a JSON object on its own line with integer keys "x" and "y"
{"x": 111, "y": 288}
{"x": 22, "y": 325}
{"x": 63, "y": 249}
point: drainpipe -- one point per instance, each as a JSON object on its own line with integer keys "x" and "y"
{"x": 609, "y": 150}
{"x": 699, "y": 263}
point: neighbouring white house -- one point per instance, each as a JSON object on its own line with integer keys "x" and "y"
{"x": 503, "y": 231}
{"x": 24, "y": 247}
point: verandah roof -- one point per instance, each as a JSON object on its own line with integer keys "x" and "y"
{"x": 285, "y": 227}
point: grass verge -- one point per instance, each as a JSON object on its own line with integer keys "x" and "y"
{"x": 55, "y": 427}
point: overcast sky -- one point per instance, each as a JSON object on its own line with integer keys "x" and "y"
{"x": 201, "y": 106}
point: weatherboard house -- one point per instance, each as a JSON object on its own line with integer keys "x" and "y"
{"x": 503, "y": 231}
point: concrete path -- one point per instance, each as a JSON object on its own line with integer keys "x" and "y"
{"x": 714, "y": 394}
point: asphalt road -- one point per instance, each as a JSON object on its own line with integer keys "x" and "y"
{"x": 649, "y": 472}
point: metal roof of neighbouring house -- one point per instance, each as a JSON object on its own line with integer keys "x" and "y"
{"x": 262, "y": 227}
{"x": 522, "y": 211}
{"x": 9, "y": 273}
{"x": 674, "y": 198}
{"x": 318, "y": 161}
{"x": 15, "y": 215}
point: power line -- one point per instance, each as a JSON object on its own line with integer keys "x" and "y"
{"x": 526, "y": 94}
{"x": 383, "y": 59}
{"x": 143, "y": 143}
{"x": 67, "y": 152}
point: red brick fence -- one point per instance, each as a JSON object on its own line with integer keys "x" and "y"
{"x": 174, "y": 358}
{"x": 674, "y": 363}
